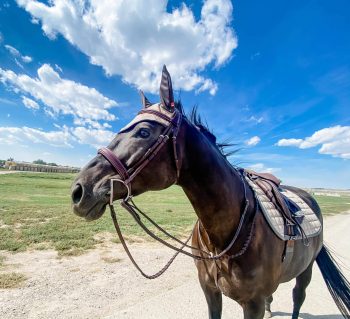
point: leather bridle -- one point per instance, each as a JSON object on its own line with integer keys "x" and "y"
{"x": 127, "y": 175}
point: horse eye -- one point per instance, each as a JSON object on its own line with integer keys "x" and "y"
{"x": 144, "y": 133}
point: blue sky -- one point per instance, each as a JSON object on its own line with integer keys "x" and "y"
{"x": 271, "y": 76}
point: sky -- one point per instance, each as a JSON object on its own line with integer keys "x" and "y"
{"x": 271, "y": 76}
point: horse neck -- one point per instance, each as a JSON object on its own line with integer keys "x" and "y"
{"x": 212, "y": 185}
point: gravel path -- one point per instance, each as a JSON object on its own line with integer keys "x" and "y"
{"x": 103, "y": 284}
{"x": 8, "y": 172}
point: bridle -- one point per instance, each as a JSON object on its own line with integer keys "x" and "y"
{"x": 127, "y": 175}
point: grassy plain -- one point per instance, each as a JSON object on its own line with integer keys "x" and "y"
{"x": 332, "y": 205}
{"x": 35, "y": 213}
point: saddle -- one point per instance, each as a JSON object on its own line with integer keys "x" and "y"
{"x": 270, "y": 184}
{"x": 287, "y": 214}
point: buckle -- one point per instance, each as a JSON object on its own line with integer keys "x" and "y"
{"x": 162, "y": 137}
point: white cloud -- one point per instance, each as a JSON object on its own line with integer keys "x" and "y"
{"x": 25, "y": 135}
{"x": 260, "y": 167}
{"x": 255, "y": 120}
{"x": 58, "y": 68}
{"x": 61, "y": 95}
{"x": 209, "y": 85}
{"x": 290, "y": 142}
{"x": 334, "y": 141}
{"x": 19, "y": 64}
{"x": 7, "y": 101}
{"x": 12, "y": 50}
{"x": 94, "y": 137}
{"x": 135, "y": 38}
{"x": 27, "y": 59}
{"x": 253, "y": 141}
{"x": 61, "y": 137}
{"x": 16, "y": 54}
{"x": 91, "y": 124}
{"x": 29, "y": 103}
{"x": 254, "y": 56}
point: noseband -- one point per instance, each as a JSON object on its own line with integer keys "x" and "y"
{"x": 126, "y": 175}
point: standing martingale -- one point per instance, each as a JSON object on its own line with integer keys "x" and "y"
{"x": 234, "y": 248}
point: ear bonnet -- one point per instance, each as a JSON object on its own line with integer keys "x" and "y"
{"x": 166, "y": 107}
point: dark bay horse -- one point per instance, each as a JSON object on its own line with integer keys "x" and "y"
{"x": 190, "y": 157}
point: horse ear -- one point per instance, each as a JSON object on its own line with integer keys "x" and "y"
{"x": 144, "y": 101}
{"x": 166, "y": 91}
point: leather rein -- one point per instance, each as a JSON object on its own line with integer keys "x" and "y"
{"x": 126, "y": 177}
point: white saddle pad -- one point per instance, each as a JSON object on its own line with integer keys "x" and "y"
{"x": 308, "y": 220}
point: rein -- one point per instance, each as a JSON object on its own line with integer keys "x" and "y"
{"x": 127, "y": 175}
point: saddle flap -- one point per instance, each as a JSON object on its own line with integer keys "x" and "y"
{"x": 266, "y": 176}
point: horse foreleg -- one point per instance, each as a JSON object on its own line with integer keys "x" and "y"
{"x": 214, "y": 301}
{"x": 268, "y": 302}
{"x": 254, "y": 309}
{"x": 302, "y": 281}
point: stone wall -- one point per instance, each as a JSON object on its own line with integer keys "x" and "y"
{"x": 19, "y": 166}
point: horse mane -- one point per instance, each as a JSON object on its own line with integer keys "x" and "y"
{"x": 196, "y": 120}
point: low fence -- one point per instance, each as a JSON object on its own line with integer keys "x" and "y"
{"x": 19, "y": 166}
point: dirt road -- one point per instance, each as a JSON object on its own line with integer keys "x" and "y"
{"x": 8, "y": 172}
{"x": 103, "y": 284}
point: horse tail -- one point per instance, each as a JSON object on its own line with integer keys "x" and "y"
{"x": 337, "y": 284}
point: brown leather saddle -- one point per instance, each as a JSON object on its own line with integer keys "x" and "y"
{"x": 270, "y": 185}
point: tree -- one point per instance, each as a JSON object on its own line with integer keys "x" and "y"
{"x": 39, "y": 161}
{"x": 10, "y": 159}
{"x": 52, "y": 164}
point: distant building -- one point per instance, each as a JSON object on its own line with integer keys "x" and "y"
{"x": 23, "y": 166}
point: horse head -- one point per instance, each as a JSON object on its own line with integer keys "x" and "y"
{"x": 143, "y": 156}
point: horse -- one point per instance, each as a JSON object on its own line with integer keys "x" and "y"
{"x": 161, "y": 147}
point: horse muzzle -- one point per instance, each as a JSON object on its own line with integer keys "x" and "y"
{"x": 87, "y": 204}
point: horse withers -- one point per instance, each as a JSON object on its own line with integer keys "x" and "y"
{"x": 157, "y": 150}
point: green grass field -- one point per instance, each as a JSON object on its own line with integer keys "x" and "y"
{"x": 35, "y": 213}
{"x": 333, "y": 205}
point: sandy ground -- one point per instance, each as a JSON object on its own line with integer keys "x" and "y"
{"x": 9, "y": 172}
{"x": 3, "y": 172}
{"x": 89, "y": 286}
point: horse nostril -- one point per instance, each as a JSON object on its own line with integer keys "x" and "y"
{"x": 77, "y": 193}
